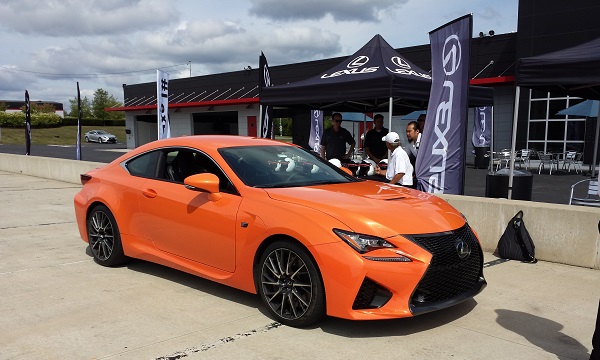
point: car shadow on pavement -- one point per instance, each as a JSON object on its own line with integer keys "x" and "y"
{"x": 191, "y": 281}
{"x": 396, "y": 327}
{"x": 543, "y": 333}
{"x": 195, "y": 282}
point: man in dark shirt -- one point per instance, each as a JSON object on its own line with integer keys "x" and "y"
{"x": 334, "y": 140}
{"x": 374, "y": 147}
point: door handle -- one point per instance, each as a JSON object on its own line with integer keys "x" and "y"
{"x": 149, "y": 193}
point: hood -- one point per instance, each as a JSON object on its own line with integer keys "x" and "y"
{"x": 375, "y": 208}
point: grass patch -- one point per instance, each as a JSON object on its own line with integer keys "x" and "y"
{"x": 64, "y": 135}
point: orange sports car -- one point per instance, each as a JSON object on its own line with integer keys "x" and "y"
{"x": 274, "y": 219}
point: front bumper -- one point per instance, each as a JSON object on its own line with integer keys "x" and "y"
{"x": 436, "y": 277}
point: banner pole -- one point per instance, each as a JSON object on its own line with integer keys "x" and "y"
{"x": 491, "y": 160}
{"x": 260, "y": 121}
{"x": 596, "y": 143}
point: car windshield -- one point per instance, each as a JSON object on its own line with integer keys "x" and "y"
{"x": 281, "y": 166}
{"x": 102, "y": 132}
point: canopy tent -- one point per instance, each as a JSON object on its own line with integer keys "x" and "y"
{"x": 375, "y": 78}
{"x": 572, "y": 71}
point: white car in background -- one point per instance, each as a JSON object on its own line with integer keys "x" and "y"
{"x": 100, "y": 136}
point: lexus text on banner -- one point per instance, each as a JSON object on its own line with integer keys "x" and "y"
{"x": 162, "y": 103}
{"x": 441, "y": 158}
{"x": 482, "y": 122}
{"x": 266, "y": 122}
{"x": 316, "y": 130}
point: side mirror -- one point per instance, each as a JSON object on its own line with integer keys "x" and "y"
{"x": 205, "y": 182}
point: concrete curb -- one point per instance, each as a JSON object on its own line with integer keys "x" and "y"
{"x": 566, "y": 234}
{"x": 561, "y": 233}
{"x": 47, "y": 168}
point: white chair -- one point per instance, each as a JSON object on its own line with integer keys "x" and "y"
{"x": 591, "y": 199}
{"x": 502, "y": 159}
{"x": 549, "y": 159}
{"x": 523, "y": 157}
{"x": 572, "y": 158}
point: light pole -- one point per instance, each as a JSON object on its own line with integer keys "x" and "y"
{"x": 190, "y": 64}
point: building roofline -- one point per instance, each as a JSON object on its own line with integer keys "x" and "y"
{"x": 242, "y": 101}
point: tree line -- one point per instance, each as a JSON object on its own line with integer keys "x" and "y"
{"x": 95, "y": 108}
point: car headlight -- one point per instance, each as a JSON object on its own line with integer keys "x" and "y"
{"x": 362, "y": 243}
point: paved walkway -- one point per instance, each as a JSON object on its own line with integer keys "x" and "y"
{"x": 546, "y": 188}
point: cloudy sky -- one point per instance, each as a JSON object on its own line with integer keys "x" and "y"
{"x": 49, "y": 45}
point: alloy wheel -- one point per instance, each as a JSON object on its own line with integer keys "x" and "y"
{"x": 101, "y": 235}
{"x": 286, "y": 283}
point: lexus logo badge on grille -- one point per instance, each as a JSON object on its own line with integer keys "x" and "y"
{"x": 463, "y": 249}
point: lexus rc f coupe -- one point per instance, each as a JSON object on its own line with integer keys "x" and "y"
{"x": 274, "y": 219}
{"x": 100, "y": 136}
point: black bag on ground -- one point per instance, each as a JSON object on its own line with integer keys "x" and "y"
{"x": 515, "y": 243}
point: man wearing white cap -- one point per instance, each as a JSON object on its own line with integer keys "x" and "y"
{"x": 399, "y": 170}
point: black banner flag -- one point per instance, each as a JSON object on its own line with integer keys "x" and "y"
{"x": 441, "y": 158}
{"x": 266, "y": 121}
{"x": 27, "y": 124}
{"x": 79, "y": 115}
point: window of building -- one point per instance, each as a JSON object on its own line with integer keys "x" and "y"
{"x": 550, "y": 132}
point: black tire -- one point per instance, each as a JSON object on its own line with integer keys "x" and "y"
{"x": 104, "y": 237}
{"x": 86, "y": 139}
{"x": 290, "y": 285}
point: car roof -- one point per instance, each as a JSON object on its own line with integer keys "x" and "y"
{"x": 211, "y": 141}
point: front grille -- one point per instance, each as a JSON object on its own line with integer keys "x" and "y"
{"x": 448, "y": 276}
{"x": 371, "y": 296}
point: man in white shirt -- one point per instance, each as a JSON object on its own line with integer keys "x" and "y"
{"x": 399, "y": 170}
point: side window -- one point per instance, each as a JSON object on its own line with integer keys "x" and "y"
{"x": 144, "y": 165}
{"x": 181, "y": 163}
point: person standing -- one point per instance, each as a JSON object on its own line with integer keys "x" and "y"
{"x": 375, "y": 148}
{"x": 334, "y": 140}
{"x": 421, "y": 122}
{"x": 399, "y": 170}
{"x": 413, "y": 134}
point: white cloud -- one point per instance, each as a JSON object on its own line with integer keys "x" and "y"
{"x": 73, "y": 18}
{"x": 118, "y": 39}
{"x": 339, "y": 10}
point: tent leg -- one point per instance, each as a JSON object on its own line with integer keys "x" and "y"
{"x": 259, "y": 127}
{"x": 390, "y": 110}
{"x": 513, "y": 142}
{"x": 491, "y": 162}
{"x": 596, "y": 143}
